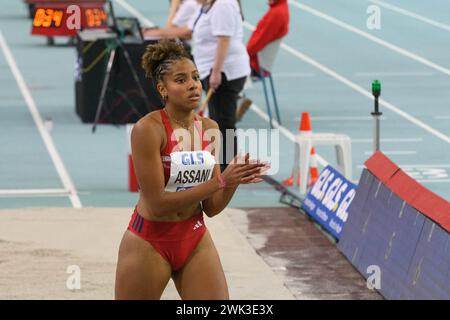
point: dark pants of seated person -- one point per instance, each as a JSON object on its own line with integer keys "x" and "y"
{"x": 255, "y": 74}
{"x": 222, "y": 109}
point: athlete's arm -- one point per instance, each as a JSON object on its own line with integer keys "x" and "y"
{"x": 169, "y": 32}
{"x": 220, "y": 199}
{"x": 174, "y": 4}
{"x": 223, "y": 43}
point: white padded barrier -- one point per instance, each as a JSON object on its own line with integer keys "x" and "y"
{"x": 303, "y": 145}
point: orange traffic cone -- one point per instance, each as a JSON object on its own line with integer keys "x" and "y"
{"x": 305, "y": 124}
{"x": 313, "y": 170}
{"x": 305, "y": 128}
{"x": 290, "y": 181}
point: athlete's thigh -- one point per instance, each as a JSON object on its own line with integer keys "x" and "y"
{"x": 202, "y": 276}
{"x": 142, "y": 273}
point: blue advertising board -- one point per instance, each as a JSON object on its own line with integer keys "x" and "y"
{"x": 329, "y": 199}
{"x": 411, "y": 251}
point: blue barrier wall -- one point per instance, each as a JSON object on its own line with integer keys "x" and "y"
{"x": 411, "y": 251}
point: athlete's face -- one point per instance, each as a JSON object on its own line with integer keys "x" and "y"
{"x": 182, "y": 84}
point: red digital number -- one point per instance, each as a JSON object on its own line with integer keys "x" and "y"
{"x": 95, "y": 17}
{"x": 39, "y": 17}
{"x": 57, "y": 17}
{"x": 46, "y": 17}
{"x": 103, "y": 18}
{"x": 89, "y": 17}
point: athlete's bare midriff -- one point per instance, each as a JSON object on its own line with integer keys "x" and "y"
{"x": 176, "y": 216}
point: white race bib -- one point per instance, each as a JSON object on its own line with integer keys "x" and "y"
{"x": 189, "y": 168}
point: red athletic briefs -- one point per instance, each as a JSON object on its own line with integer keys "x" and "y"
{"x": 175, "y": 241}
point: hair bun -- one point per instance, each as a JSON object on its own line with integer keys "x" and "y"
{"x": 157, "y": 53}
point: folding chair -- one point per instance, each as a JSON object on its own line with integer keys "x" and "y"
{"x": 266, "y": 58}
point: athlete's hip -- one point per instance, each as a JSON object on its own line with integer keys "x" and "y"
{"x": 166, "y": 230}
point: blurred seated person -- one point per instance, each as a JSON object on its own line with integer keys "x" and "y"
{"x": 181, "y": 12}
{"x": 273, "y": 25}
{"x": 174, "y": 5}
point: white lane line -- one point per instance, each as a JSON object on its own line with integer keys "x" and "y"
{"x": 342, "y": 118}
{"x": 433, "y": 181}
{"x": 425, "y": 166}
{"x": 254, "y": 107}
{"x": 293, "y": 75}
{"x": 389, "y": 140}
{"x": 48, "y": 141}
{"x": 412, "y": 15}
{"x": 418, "y": 166}
{"x": 393, "y": 74}
{"x": 134, "y": 12}
{"x": 359, "y": 89}
{"x": 340, "y": 78}
{"x": 370, "y": 37}
{"x": 394, "y": 152}
{"x": 420, "y": 180}
{"x": 335, "y": 75}
{"x": 33, "y": 192}
{"x": 364, "y": 92}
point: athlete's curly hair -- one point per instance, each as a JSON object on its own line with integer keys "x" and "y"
{"x": 159, "y": 56}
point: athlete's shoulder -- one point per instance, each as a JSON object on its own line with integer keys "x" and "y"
{"x": 209, "y": 123}
{"x": 149, "y": 125}
{"x": 151, "y": 119}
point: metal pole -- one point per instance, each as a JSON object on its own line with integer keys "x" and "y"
{"x": 101, "y": 100}
{"x": 376, "y": 90}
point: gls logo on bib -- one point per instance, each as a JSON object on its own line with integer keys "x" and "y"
{"x": 189, "y": 168}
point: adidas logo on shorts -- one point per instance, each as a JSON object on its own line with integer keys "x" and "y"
{"x": 198, "y": 224}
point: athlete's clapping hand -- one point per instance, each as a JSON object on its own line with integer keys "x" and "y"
{"x": 242, "y": 170}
